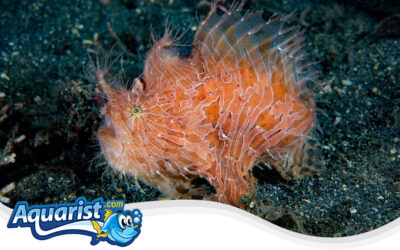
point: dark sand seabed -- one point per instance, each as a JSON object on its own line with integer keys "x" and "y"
{"x": 49, "y": 110}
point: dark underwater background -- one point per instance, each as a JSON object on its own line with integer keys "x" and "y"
{"x": 50, "y": 109}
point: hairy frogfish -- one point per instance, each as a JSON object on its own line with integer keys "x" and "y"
{"x": 241, "y": 97}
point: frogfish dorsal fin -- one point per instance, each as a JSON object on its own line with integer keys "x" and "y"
{"x": 268, "y": 47}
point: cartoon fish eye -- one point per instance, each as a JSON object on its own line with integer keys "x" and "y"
{"x": 129, "y": 220}
{"x": 122, "y": 221}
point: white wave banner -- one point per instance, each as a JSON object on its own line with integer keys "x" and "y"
{"x": 202, "y": 225}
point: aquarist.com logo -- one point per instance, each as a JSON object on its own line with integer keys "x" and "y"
{"x": 99, "y": 219}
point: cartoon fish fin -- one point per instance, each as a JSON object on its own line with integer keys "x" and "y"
{"x": 108, "y": 213}
{"x": 96, "y": 226}
{"x": 266, "y": 47}
{"x": 98, "y": 229}
{"x": 305, "y": 159}
{"x": 102, "y": 235}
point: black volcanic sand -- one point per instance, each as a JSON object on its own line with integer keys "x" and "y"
{"x": 50, "y": 108}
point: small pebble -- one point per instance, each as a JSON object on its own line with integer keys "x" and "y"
{"x": 4, "y": 76}
{"x": 252, "y": 204}
{"x": 347, "y": 82}
{"x": 38, "y": 100}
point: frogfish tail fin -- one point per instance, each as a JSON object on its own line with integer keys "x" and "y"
{"x": 304, "y": 160}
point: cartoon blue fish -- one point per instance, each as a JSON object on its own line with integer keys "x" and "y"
{"x": 118, "y": 227}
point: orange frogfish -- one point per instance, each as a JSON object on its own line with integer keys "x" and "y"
{"x": 241, "y": 97}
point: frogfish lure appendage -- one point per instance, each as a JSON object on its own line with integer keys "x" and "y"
{"x": 239, "y": 98}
